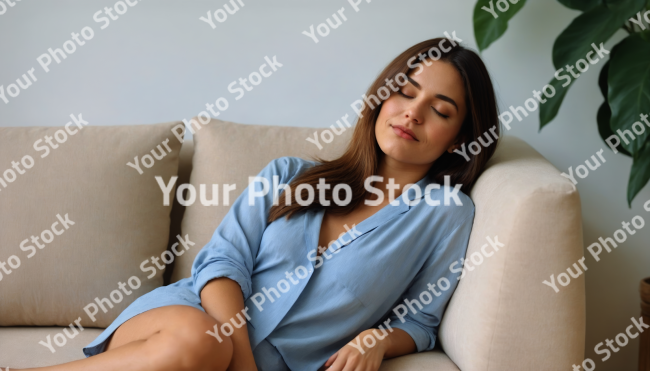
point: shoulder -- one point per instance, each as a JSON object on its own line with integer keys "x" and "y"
{"x": 446, "y": 223}
{"x": 448, "y": 196}
{"x": 445, "y": 206}
{"x": 454, "y": 200}
{"x": 287, "y": 167}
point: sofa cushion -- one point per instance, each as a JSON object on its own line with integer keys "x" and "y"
{"x": 433, "y": 360}
{"x": 228, "y": 153}
{"x": 77, "y": 221}
{"x": 21, "y": 346}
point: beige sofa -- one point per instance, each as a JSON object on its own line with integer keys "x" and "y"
{"x": 501, "y": 317}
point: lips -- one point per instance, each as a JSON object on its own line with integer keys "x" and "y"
{"x": 404, "y": 132}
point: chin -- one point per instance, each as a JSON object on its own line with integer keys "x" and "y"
{"x": 400, "y": 155}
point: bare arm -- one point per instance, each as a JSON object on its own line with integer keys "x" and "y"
{"x": 222, "y": 299}
{"x": 398, "y": 343}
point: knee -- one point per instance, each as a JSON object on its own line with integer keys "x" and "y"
{"x": 199, "y": 351}
{"x": 194, "y": 349}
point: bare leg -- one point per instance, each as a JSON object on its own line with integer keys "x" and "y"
{"x": 170, "y": 338}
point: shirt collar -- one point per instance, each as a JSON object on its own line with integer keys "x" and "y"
{"x": 411, "y": 193}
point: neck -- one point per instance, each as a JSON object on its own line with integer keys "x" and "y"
{"x": 401, "y": 173}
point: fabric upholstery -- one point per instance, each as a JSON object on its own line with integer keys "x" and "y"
{"x": 20, "y": 348}
{"x": 118, "y": 215}
{"x": 434, "y": 360}
{"x": 501, "y": 316}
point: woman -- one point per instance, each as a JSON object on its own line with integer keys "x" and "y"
{"x": 332, "y": 282}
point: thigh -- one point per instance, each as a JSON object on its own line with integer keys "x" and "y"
{"x": 167, "y": 318}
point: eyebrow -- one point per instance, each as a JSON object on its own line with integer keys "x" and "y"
{"x": 439, "y": 96}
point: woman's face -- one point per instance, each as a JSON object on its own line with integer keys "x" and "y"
{"x": 431, "y": 107}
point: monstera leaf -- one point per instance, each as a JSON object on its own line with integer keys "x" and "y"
{"x": 640, "y": 173}
{"x": 629, "y": 88}
{"x": 628, "y": 94}
{"x": 487, "y": 28}
{"x": 624, "y": 80}
{"x": 580, "y": 4}
{"x": 604, "y": 112}
{"x": 594, "y": 26}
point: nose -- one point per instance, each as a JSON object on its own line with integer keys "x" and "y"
{"x": 415, "y": 113}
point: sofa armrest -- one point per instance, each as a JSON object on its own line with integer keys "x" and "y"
{"x": 502, "y": 317}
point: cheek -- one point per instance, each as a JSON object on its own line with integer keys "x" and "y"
{"x": 441, "y": 134}
{"x": 383, "y": 133}
{"x": 390, "y": 107}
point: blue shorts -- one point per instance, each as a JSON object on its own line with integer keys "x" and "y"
{"x": 267, "y": 358}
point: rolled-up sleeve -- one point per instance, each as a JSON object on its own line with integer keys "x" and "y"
{"x": 424, "y": 307}
{"x": 234, "y": 245}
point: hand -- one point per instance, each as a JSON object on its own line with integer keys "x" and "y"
{"x": 242, "y": 365}
{"x": 356, "y": 356}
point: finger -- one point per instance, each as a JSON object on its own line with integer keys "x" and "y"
{"x": 331, "y": 359}
{"x": 351, "y": 365}
{"x": 339, "y": 363}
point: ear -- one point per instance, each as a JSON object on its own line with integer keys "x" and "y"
{"x": 453, "y": 147}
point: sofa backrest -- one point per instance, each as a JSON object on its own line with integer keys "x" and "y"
{"x": 79, "y": 217}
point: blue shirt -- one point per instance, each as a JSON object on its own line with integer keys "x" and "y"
{"x": 309, "y": 307}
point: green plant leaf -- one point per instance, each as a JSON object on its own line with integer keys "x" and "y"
{"x": 604, "y": 112}
{"x": 549, "y": 110}
{"x": 602, "y": 117}
{"x": 487, "y": 28}
{"x": 594, "y": 26}
{"x": 640, "y": 173}
{"x": 580, "y": 4}
{"x": 602, "y": 80}
{"x": 629, "y": 89}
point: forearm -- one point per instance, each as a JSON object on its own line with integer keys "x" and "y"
{"x": 222, "y": 299}
{"x": 398, "y": 343}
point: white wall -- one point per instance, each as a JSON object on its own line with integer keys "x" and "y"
{"x": 159, "y": 62}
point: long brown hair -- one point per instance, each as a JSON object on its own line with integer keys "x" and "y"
{"x": 362, "y": 155}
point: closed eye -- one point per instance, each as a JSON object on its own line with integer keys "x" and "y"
{"x": 404, "y": 95}
{"x": 439, "y": 114}
{"x": 435, "y": 110}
